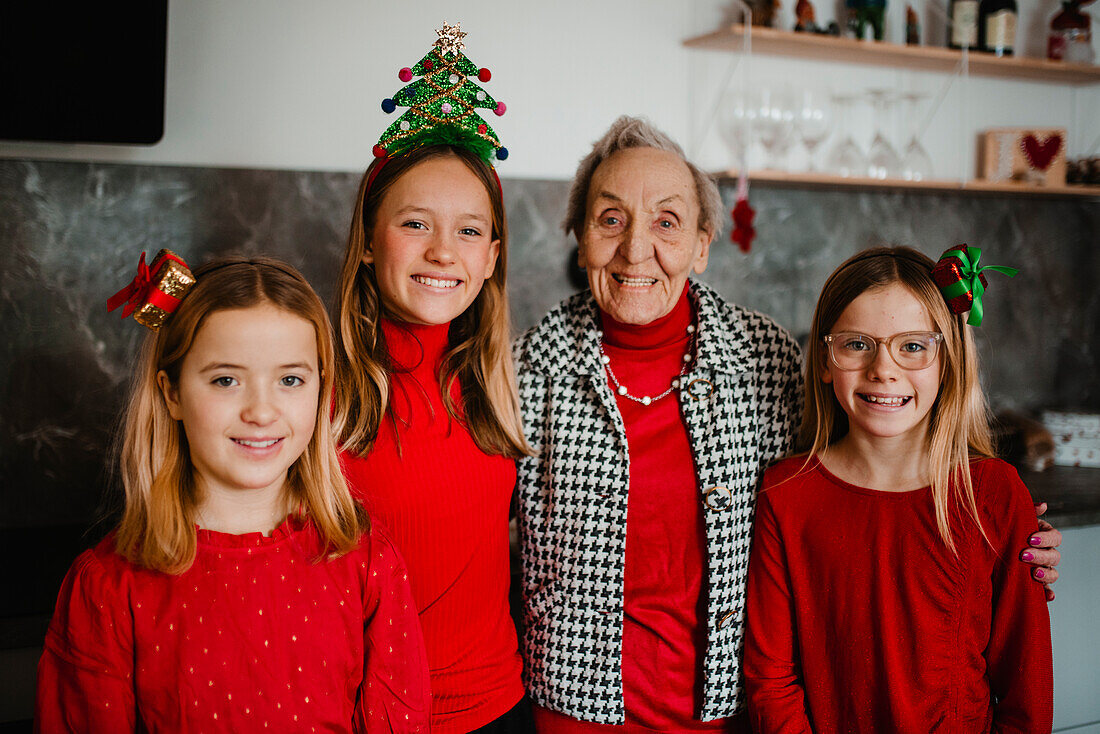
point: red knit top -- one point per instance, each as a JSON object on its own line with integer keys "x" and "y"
{"x": 664, "y": 604}
{"x": 445, "y": 503}
{"x": 255, "y": 636}
{"x": 861, "y": 620}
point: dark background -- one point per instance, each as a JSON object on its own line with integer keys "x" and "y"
{"x": 83, "y": 72}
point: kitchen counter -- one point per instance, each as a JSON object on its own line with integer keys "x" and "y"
{"x": 1072, "y": 494}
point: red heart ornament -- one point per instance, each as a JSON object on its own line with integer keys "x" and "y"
{"x": 1040, "y": 155}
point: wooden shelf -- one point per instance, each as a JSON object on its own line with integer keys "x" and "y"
{"x": 879, "y": 53}
{"x": 783, "y": 179}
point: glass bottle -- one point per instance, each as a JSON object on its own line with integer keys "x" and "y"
{"x": 963, "y": 24}
{"x": 912, "y": 26}
{"x": 1070, "y": 34}
{"x": 997, "y": 26}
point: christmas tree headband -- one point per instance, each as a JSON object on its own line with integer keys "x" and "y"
{"x": 442, "y": 104}
{"x": 156, "y": 291}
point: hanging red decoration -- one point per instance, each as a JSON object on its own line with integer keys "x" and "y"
{"x": 743, "y": 232}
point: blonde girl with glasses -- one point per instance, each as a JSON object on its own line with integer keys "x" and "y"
{"x": 935, "y": 624}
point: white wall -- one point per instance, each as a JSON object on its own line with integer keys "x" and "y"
{"x": 297, "y": 84}
{"x": 1075, "y": 630}
{"x": 970, "y": 105}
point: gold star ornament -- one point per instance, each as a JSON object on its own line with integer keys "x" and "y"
{"x": 450, "y": 39}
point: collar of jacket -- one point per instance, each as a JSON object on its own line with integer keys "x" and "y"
{"x": 722, "y": 344}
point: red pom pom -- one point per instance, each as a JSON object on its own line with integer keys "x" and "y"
{"x": 405, "y": 74}
{"x": 482, "y": 128}
{"x": 484, "y": 74}
{"x": 379, "y": 151}
{"x": 501, "y": 109}
{"x": 429, "y": 65}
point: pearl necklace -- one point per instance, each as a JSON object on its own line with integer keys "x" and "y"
{"x": 646, "y": 399}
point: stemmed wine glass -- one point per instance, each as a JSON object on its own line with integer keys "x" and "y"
{"x": 736, "y": 119}
{"x": 882, "y": 160}
{"x": 774, "y": 123}
{"x": 845, "y": 157}
{"x": 813, "y": 117}
{"x": 916, "y": 164}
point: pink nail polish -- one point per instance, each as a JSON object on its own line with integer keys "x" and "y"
{"x": 1027, "y": 555}
{"x": 1034, "y": 541}
{"x": 1039, "y": 573}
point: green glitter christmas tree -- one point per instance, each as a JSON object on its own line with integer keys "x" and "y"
{"x": 442, "y": 103}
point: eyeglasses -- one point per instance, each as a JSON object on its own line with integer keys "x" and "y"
{"x": 911, "y": 350}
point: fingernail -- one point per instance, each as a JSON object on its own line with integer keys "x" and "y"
{"x": 1039, "y": 573}
{"x": 1027, "y": 555}
{"x": 1034, "y": 541}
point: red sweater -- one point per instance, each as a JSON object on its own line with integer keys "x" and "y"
{"x": 255, "y": 636}
{"x": 445, "y": 503}
{"x": 861, "y": 620}
{"x": 664, "y": 636}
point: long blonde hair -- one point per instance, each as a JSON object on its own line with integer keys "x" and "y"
{"x": 479, "y": 354}
{"x": 157, "y": 529}
{"x": 959, "y": 428}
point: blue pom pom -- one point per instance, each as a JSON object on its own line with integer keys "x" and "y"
{"x": 502, "y": 153}
{"x": 388, "y": 105}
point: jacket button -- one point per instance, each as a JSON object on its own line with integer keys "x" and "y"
{"x": 718, "y": 498}
{"x": 725, "y": 618}
{"x": 699, "y": 389}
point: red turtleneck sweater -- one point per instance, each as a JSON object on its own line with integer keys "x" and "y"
{"x": 445, "y": 503}
{"x": 664, "y": 629}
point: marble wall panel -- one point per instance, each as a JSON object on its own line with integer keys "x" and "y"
{"x": 70, "y": 234}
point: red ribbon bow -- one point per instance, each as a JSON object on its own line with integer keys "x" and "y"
{"x": 141, "y": 289}
{"x": 135, "y": 293}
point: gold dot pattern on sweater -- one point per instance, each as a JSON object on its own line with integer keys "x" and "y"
{"x": 244, "y": 638}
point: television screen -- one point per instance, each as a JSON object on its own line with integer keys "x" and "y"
{"x": 83, "y": 72}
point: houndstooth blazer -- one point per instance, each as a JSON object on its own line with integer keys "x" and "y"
{"x": 740, "y": 403}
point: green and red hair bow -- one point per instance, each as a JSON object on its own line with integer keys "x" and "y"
{"x": 961, "y": 280}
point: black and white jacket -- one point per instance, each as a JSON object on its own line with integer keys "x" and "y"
{"x": 740, "y": 402}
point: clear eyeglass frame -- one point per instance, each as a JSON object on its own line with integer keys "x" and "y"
{"x": 850, "y": 361}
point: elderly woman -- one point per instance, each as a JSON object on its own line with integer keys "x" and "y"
{"x": 652, "y": 406}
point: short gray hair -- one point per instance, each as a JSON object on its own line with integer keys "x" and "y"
{"x": 635, "y": 132}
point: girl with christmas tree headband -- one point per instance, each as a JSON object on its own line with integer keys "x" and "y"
{"x": 426, "y": 408}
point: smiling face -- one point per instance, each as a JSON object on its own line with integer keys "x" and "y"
{"x": 641, "y": 234}
{"x": 432, "y": 244}
{"x": 884, "y": 400}
{"x": 247, "y": 397}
